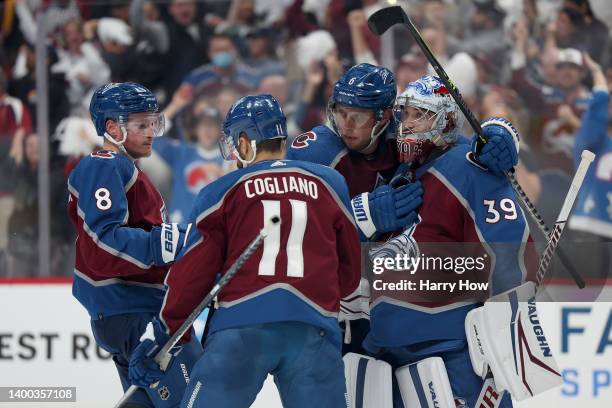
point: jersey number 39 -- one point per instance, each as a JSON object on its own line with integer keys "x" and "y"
{"x": 507, "y": 207}
{"x": 271, "y": 245}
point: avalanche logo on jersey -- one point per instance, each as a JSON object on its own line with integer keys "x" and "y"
{"x": 301, "y": 141}
{"x": 400, "y": 245}
{"x": 199, "y": 174}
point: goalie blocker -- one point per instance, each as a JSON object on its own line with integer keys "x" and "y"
{"x": 505, "y": 336}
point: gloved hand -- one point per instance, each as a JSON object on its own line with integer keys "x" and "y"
{"x": 167, "y": 240}
{"x": 500, "y": 153}
{"x": 387, "y": 209}
{"x": 143, "y": 370}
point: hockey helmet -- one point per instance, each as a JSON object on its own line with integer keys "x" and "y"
{"x": 260, "y": 117}
{"x": 425, "y": 100}
{"x": 366, "y": 87}
{"x": 116, "y": 101}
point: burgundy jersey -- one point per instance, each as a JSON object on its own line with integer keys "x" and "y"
{"x": 362, "y": 172}
{"x": 113, "y": 206}
{"x": 305, "y": 265}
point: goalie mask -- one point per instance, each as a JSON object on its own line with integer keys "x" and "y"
{"x": 427, "y": 117}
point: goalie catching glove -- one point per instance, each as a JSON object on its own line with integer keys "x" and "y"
{"x": 500, "y": 153}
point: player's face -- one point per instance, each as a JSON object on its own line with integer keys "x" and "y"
{"x": 141, "y": 129}
{"x": 417, "y": 120}
{"x": 355, "y": 126}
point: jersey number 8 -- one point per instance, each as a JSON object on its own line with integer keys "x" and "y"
{"x": 103, "y": 198}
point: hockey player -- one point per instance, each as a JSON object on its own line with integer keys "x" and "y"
{"x": 123, "y": 246}
{"x": 359, "y": 141}
{"x": 278, "y": 315}
{"x": 462, "y": 204}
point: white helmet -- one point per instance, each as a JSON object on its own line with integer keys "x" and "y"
{"x": 432, "y": 99}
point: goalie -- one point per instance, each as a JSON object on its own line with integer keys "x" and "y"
{"x": 423, "y": 356}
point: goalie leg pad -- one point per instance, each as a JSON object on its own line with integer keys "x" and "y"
{"x": 506, "y": 337}
{"x": 368, "y": 382}
{"x": 425, "y": 384}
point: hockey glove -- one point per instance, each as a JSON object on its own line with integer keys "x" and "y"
{"x": 167, "y": 240}
{"x": 500, "y": 153}
{"x": 143, "y": 369}
{"x": 387, "y": 209}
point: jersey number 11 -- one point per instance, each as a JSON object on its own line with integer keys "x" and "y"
{"x": 271, "y": 245}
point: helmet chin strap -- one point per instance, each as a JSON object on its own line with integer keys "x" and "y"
{"x": 119, "y": 143}
{"x": 374, "y": 135}
{"x": 247, "y": 162}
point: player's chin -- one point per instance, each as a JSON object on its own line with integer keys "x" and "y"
{"x": 145, "y": 151}
{"x": 354, "y": 143}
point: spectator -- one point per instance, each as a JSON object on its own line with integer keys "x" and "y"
{"x": 23, "y": 223}
{"x": 592, "y": 217}
{"x": 569, "y": 30}
{"x": 409, "y": 68}
{"x": 301, "y": 17}
{"x": 573, "y": 97}
{"x": 58, "y": 13}
{"x": 240, "y": 18}
{"x": 278, "y": 87}
{"x": 23, "y": 85}
{"x": 318, "y": 58}
{"x": 226, "y": 70}
{"x": 225, "y": 99}
{"x": 187, "y": 44}
{"x": 81, "y": 63}
{"x": 15, "y": 123}
{"x": 194, "y": 164}
{"x": 484, "y": 34}
{"x": 555, "y": 129}
{"x": 360, "y": 35}
{"x": 117, "y": 51}
{"x": 262, "y": 58}
{"x": 590, "y": 33}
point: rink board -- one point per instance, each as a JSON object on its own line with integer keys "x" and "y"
{"x": 45, "y": 340}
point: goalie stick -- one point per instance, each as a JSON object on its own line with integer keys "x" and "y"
{"x": 475, "y": 321}
{"x": 383, "y": 20}
{"x": 246, "y": 254}
{"x": 587, "y": 158}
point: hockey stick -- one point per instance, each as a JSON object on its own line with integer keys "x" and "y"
{"x": 386, "y": 18}
{"x": 186, "y": 326}
{"x": 586, "y": 158}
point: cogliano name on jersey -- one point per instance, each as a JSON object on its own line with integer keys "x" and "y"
{"x": 281, "y": 185}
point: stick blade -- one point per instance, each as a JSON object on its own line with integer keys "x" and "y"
{"x": 384, "y": 19}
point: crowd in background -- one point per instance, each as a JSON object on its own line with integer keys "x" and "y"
{"x": 527, "y": 60}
